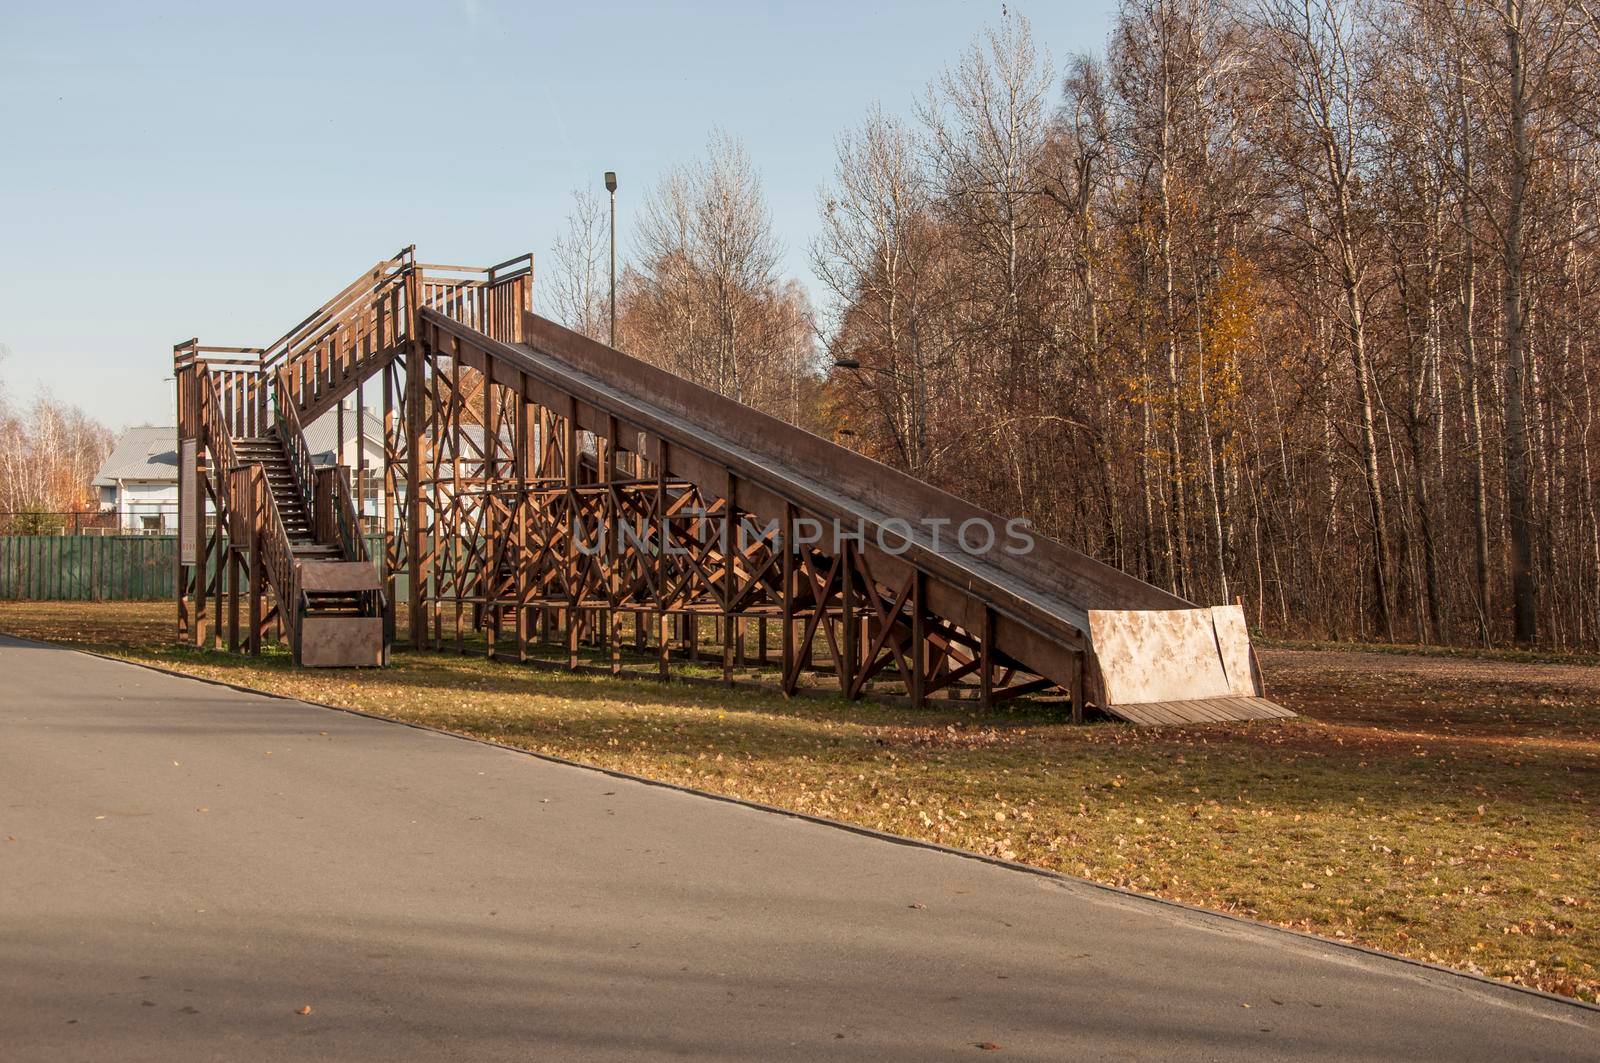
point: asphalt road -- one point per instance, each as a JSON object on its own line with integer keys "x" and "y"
{"x": 183, "y": 868}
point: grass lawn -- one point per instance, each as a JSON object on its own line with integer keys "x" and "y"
{"x": 1439, "y": 807}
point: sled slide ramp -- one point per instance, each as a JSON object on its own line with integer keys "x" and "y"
{"x": 901, "y": 577}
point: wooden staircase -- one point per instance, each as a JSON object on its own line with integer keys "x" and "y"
{"x": 294, "y": 551}
{"x": 292, "y": 525}
{"x": 267, "y": 451}
{"x": 340, "y": 595}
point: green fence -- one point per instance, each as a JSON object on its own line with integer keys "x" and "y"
{"x": 88, "y": 567}
{"x": 100, "y": 567}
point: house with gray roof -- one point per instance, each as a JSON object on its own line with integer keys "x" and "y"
{"x": 139, "y": 481}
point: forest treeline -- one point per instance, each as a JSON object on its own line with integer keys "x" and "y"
{"x": 1292, "y": 301}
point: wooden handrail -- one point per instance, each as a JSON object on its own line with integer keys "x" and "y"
{"x": 382, "y": 273}
{"x": 255, "y": 505}
{"x": 336, "y": 518}
{"x": 277, "y": 555}
{"x": 444, "y": 288}
{"x": 293, "y": 437}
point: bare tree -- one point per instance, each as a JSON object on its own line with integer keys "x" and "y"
{"x": 874, "y": 256}
{"x": 1319, "y": 74}
{"x": 704, "y": 297}
{"x": 577, "y": 277}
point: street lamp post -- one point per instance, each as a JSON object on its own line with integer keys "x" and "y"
{"x": 611, "y": 186}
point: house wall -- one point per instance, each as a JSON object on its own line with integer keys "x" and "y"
{"x": 372, "y": 503}
{"x": 138, "y": 500}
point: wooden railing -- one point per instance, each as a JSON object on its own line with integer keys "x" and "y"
{"x": 372, "y": 305}
{"x": 277, "y": 557}
{"x": 238, "y": 385}
{"x": 347, "y": 338}
{"x": 293, "y": 436}
{"x": 343, "y": 340}
{"x": 244, "y": 497}
{"x": 336, "y": 518}
{"x": 215, "y": 422}
{"x": 490, "y": 299}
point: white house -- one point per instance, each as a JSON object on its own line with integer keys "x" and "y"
{"x": 139, "y": 481}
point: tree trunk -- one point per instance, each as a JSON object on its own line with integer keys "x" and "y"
{"x": 1518, "y": 488}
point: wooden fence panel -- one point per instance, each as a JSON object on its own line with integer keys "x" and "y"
{"x": 119, "y": 568}
{"x": 88, "y": 567}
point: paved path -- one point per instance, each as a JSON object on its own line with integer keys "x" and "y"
{"x": 183, "y": 867}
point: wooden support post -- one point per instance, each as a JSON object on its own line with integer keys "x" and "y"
{"x": 360, "y": 485}
{"x": 986, "y": 660}
{"x": 521, "y": 515}
{"x": 457, "y": 444}
{"x": 571, "y": 472}
{"x": 790, "y": 674}
{"x": 202, "y": 545}
{"x": 391, "y": 552}
{"x": 219, "y": 554}
{"x": 489, "y": 578}
{"x": 416, "y": 360}
{"x": 919, "y": 640}
{"x": 847, "y": 620}
{"x": 257, "y": 573}
{"x": 663, "y": 635}
{"x": 183, "y": 384}
{"x": 609, "y": 530}
{"x": 232, "y": 555}
{"x": 730, "y": 581}
{"x": 1079, "y": 660}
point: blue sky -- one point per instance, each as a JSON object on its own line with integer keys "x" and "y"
{"x": 219, "y": 169}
